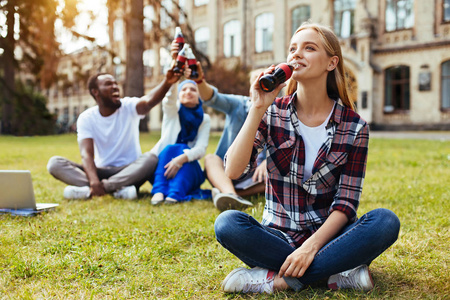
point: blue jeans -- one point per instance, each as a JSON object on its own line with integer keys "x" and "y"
{"x": 260, "y": 246}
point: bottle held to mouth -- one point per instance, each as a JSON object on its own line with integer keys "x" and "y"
{"x": 281, "y": 73}
{"x": 192, "y": 63}
{"x": 179, "y": 38}
{"x": 181, "y": 60}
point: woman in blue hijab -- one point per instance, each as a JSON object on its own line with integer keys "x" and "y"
{"x": 184, "y": 139}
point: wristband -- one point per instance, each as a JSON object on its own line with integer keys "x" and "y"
{"x": 199, "y": 81}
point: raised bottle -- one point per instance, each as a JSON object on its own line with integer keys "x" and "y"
{"x": 179, "y": 38}
{"x": 281, "y": 73}
{"x": 181, "y": 60}
{"x": 192, "y": 63}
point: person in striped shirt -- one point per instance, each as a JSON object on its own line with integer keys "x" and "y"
{"x": 316, "y": 146}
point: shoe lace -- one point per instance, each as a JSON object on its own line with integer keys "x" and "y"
{"x": 349, "y": 279}
{"x": 258, "y": 286}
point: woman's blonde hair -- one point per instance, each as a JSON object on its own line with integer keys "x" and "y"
{"x": 336, "y": 81}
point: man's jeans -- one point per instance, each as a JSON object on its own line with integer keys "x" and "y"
{"x": 113, "y": 178}
{"x": 260, "y": 246}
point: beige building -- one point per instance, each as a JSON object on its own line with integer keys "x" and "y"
{"x": 397, "y": 51}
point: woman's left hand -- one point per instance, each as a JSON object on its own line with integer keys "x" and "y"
{"x": 298, "y": 261}
{"x": 172, "y": 168}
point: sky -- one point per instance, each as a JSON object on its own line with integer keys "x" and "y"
{"x": 96, "y": 28}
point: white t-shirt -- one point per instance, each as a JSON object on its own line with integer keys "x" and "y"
{"x": 313, "y": 138}
{"x": 116, "y": 137}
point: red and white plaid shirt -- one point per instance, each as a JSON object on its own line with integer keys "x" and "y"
{"x": 298, "y": 209}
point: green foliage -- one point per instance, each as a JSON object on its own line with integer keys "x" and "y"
{"x": 105, "y": 248}
{"x": 30, "y": 116}
{"x": 228, "y": 80}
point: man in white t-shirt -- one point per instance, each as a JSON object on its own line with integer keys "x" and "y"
{"x": 108, "y": 137}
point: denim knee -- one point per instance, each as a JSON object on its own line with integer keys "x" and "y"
{"x": 388, "y": 223}
{"x": 225, "y": 224}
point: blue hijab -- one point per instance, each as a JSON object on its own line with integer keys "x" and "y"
{"x": 190, "y": 118}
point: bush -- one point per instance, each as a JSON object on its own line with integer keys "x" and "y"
{"x": 30, "y": 115}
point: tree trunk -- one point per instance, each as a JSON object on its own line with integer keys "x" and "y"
{"x": 8, "y": 72}
{"x": 134, "y": 79}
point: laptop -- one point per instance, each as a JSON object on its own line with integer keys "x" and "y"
{"x": 17, "y": 194}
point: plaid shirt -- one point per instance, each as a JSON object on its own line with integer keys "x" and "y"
{"x": 298, "y": 209}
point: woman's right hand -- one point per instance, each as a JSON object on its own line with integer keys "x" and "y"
{"x": 262, "y": 100}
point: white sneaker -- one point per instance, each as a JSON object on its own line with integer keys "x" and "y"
{"x": 170, "y": 201}
{"x": 157, "y": 198}
{"x": 358, "y": 278}
{"x": 77, "y": 192}
{"x": 127, "y": 192}
{"x": 214, "y": 192}
{"x": 256, "y": 280}
{"x": 224, "y": 201}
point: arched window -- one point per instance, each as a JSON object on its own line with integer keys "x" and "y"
{"x": 344, "y": 17}
{"x": 299, "y": 15}
{"x": 232, "y": 38}
{"x": 396, "y": 84}
{"x": 118, "y": 30}
{"x": 202, "y": 38}
{"x": 446, "y": 10}
{"x": 149, "y": 15}
{"x": 166, "y": 9}
{"x": 200, "y": 2}
{"x": 445, "y": 85}
{"x": 264, "y": 32}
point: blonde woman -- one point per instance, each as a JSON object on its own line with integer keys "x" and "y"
{"x": 316, "y": 158}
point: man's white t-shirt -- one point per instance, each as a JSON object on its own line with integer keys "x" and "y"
{"x": 116, "y": 137}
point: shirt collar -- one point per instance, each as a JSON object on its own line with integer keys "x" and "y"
{"x": 336, "y": 116}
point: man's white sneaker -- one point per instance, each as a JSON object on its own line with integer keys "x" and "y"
{"x": 77, "y": 192}
{"x": 256, "y": 280}
{"x": 358, "y": 278}
{"x": 224, "y": 201}
{"x": 127, "y": 192}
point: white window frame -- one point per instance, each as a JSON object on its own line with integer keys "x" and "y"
{"x": 264, "y": 32}
{"x": 232, "y": 38}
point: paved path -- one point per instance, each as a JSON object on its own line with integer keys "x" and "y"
{"x": 421, "y": 135}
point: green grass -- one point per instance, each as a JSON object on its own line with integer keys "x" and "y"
{"x": 114, "y": 249}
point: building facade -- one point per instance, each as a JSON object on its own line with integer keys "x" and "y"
{"x": 397, "y": 52}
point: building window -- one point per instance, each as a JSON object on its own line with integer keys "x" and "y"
{"x": 200, "y": 2}
{"x": 232, "y": 38}
{"x": 446, "y": 10}
{"x": 396, "y": 89}
{"x": 118, "y": 30}
{"x": 264, "y": 31}
{"x": 344, "y": 17}
{"x": 148, "y": 57}
{"x": 299, "y": 15}
{"x": 166, "y": 8}
{"x": 399, "y": 14}
{"x": 201, "y": 39}
{"x": 181, "y": 18}
{"x": 65, "y": 117}
{"x": 149, "y": 15}
{"x": 445, "y": 85}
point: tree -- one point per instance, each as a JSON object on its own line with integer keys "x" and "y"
{"x": 37, "y": 43}
{"x": 135, "y": 36}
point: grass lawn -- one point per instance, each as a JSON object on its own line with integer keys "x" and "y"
{"x": 115, "y": 249}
